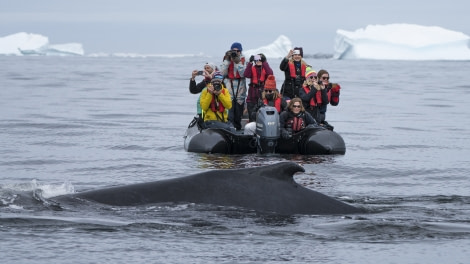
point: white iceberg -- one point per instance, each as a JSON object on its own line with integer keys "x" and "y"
{"x": 34, "y": 44}
{"x": 402, "y": 42}
{"x": 278, "y": 49}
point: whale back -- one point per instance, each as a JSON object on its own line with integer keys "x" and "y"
{"x": 270, "y": 188}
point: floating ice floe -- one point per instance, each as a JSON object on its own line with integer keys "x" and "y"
{"x": 34, "y": 44}
{"x": 402, "y": 42}
{"x": 278, "y": 49}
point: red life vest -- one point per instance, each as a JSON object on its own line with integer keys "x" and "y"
{"x": 230, "y": 70}
{"x": 318, "y": 97}
{"x": 214, "y": 104}
{"x": 307, "y": 90}
{"x": 297, "y": 123}
{"x": 254, "y": 74}
{"x": 292, "y": 70}
{"x": 277, "y": 103}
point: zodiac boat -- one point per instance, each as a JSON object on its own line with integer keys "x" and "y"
{"x": 313, "y": 140}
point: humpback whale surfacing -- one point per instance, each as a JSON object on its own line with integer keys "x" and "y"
{"x": 270, "y": 188}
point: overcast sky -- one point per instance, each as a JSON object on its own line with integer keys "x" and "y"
{"x": 189, "y": 27}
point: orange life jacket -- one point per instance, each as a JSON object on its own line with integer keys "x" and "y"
{"x": 254, "y": 75}
{"x": 307, "y": 90}
{"x": 318, "y": 97}
{"x": 230, "y": 70}
{"x": 292, "y": 70}
{"x": 277, "y": 103}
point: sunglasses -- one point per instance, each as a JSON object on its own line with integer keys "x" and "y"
{"x": 312, "y": 77}
{"x": 296, "y": 106}
{"x": 269, "y": 91}
{"x": 325, "y": 78}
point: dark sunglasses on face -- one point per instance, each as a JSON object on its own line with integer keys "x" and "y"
{"x": 296, "y": 106}
{"x": 269, "y": 91}
{"x": 313, "y": 77}
{"x": 325, "y": 78}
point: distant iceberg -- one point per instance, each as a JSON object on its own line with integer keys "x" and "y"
{"x": 402, "y": 42}
{"x": 34, "y": 44}
{"x": 278, "y": 49}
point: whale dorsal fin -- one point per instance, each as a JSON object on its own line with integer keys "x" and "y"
{"x": 281, "y": 171}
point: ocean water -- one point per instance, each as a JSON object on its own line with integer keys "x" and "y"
{"x": 69, "y": 124}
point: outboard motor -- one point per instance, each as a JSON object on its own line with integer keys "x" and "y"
{"x": 267, "y": 129}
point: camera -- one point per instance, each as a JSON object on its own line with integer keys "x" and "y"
{"x": 200, "y": 73}
{"x": 320, "y": 82}
{"x": 217, "y": 86}
{"x": 234, "y": 54}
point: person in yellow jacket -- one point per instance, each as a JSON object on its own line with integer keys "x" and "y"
{"x": 215, "y": 103}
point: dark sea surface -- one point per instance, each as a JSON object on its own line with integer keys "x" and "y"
{"x": 69, "y": 124}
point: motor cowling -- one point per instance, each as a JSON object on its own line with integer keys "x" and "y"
{"x": 267, "y": 129}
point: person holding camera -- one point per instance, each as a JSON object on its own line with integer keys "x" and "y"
{"x": 233, "y": 69}
{"x": 209, "y": 69}
{"x": 215, "y": 103}
{"x": 257, "y": 70}
{"x": 311, "y": 94}
{"x": 294, "y": 68}
{"x": 294, "y": 119}
{"x": 329, "y": 91}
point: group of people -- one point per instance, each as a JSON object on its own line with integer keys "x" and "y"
{"x": 224, "y": 97}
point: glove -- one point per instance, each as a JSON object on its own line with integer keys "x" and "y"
{"x": 285, "y": 134}
{"x": 334, "y": 98}
{"x": 335, "y": 87}
{"x": 236, "y": 59}
{"x": 263, "y": 58}
{"x": 252, "y": 58}
{"x": 227, "y": 55}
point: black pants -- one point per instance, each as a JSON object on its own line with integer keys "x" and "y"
{"x": 235, "y": 114}
{"x": 252, "y": 107}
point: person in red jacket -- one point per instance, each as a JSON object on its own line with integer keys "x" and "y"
{"x": 257, "y": 70}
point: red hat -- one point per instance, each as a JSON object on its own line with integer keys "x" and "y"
{"x": 270, "y": 83}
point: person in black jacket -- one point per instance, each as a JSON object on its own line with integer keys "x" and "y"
{"x": 294, "y": 68}
{"x": 207, "y": 73}
{"x": 326, "y": 89}
{"x": 294, "y": 119}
